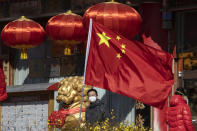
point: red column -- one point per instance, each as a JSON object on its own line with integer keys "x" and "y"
{"x": 151, "y": 13}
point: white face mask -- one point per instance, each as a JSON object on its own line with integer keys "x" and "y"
{"x": 92, "y": 98}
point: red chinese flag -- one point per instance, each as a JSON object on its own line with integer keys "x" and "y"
{"x": 3, "y": 92}
{"x": 128, "y": 67}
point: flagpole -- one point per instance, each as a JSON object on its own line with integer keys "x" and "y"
{"x": 86, "y": 59}
{"x": 174, "y": 72}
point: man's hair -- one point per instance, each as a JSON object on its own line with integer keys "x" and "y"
{"x": 92, "y": 90}
{"x": 180, "y": 91}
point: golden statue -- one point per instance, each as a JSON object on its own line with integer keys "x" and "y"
{"x": 69, "y": 93}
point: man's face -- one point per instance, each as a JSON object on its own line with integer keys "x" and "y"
{"x": 92, "y": 96}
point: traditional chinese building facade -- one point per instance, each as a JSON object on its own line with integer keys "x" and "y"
{"x": 170, "y": 23}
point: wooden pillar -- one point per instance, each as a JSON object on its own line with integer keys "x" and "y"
{"x": 151, "y": 117}
{"x": 51, "y": 103}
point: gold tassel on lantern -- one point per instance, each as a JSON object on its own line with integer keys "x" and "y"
{"x": 23, "y": 55}
{"x": 67, "y": 50}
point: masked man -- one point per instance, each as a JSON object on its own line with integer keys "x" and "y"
{"x": 95, "y": 112}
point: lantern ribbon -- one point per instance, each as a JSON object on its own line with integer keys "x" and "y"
{"x": 57, "y": 118}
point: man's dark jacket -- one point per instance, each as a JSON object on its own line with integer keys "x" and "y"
{"x": 95, "y": 112}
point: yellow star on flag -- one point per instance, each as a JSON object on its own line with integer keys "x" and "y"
{"x": 123, "y": 46}
{"x": 103, "y": 39}
{"x": 118, "y": 37}
{"x": 118, "y": 56}
{"x": 123, "y": 51}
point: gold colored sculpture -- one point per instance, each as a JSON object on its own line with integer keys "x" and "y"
{"x": 139, "y": 121}
{"x": 139, "y": 105}
{"x": 69, "y": 92}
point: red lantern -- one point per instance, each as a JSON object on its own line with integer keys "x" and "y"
{"x": 66, "y": 29}
{"x": 116, "y": 16}
{"x": 23, "y": 34}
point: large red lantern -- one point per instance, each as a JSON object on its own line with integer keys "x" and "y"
{"x": 66, "y": 29}
{"x": 116, "y": 16}
{"x": 23, "y": 34}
